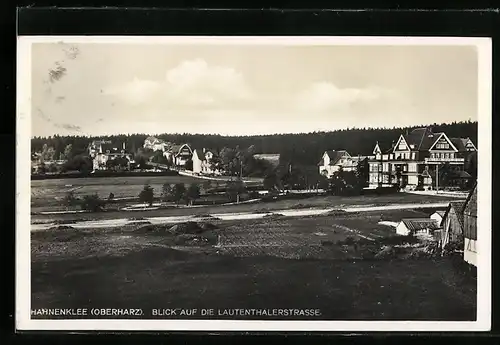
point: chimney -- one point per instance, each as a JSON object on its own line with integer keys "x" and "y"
{"x": 123, "y": 146}
{"x": 204, "y": 150}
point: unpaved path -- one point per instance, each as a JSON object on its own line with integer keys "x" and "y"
{"x": 109, "y": 223}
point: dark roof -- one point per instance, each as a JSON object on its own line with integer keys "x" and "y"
{"x": 111, "y": 147}
{"x": 470, "y": 207}
{"x": 421, "y": 139}
{"x": 200, "y": 154}
{"x": 420, "y": 224}
{"x": 459, "y": 143}
{"x": 385, "y": 147}
{"x": 175, "y": 148}
{"x": 457, "y": 207}
{"x": 334, "y": 156}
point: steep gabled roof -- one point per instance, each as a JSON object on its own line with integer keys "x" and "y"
{"x": 470, "y": 205}
{"x": 457, "y": 207}
{"x": 200, "y": 154}
{"x": 421, "y": 139}
{"x": 335, "y": 156}
{"x": 415, "y": 224}
{"x": 175, "y": 148}
{"x": 385, "y": 147}
{"x": 459, "y": 143}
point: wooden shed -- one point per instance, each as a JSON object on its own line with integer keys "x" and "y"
{"x": 452, "y": 223}
{"x": 416, "y": 226}
{"x": 470, "y": 227}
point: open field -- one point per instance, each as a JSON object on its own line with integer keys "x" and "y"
{"x": 266, "y": 263}
{"x": 121, "y": 187}
{"x": 310, "y": 202}
{"x": 50, "y": 190}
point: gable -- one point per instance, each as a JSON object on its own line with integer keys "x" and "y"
{"x": 401, "y": 145}
{"x": 377, "y": 149}
{"x": 469, "y": 145}
{"x": 185, "y": 149}
{"x": 443, "y": 143}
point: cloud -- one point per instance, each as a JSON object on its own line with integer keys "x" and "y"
{"x": 136, "y": 91}
{"x": 69, "y": 127}
{"x": 326, "y": 96}
{"x": 196, "y": 77}
{"x": 192, "y": 83}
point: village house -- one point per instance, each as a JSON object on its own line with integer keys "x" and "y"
{"x": 417, "y": 226}
{"x": 470, "y": 227}
{"x": 101, "y": 152}
{"x": 201, "y": 161}
{"x": 179, "y": 155}
{"x": 155, "y": 144}
{"x": 332, "y": 161}
{"x": 410, "y": 161}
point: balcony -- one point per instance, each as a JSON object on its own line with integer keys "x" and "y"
{"x": 445, "y": 160}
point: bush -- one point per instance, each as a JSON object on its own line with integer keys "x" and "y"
{"x": 92, "y": 203}
{"x": 147, "y": 194}
{"x": 70, "y": 199}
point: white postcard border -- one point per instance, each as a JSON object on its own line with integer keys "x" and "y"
{"x": 23, "y": 194}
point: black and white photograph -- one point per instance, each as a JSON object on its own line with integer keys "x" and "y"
{"x": 254, "y": 183}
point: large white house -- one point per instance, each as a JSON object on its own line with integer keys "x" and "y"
{"x": 202, "y": 161}
{"x": 155, "y": 144}
{"x": 411, "y": 159}
{"x": 102, "y": 151}
{"x": 332, "y": 161}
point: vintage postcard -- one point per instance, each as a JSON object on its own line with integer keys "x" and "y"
{"x": 254, "y": 183}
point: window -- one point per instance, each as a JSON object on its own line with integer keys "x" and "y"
{"x": 402, "y": 146}
{"x": 442, "y": 146}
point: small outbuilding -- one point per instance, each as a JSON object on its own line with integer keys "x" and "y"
{"x": 417, "y": 226}
{"x": 452, "y": 223}
{"x": 470, "y": 227}
{"x": 438, "y": 216}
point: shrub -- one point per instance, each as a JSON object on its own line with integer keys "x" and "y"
{"x": 192, "y": 193}
{"x": 147, "y": 194}
{"x": 92, "y": 203}
{"x": 70, "y": 199}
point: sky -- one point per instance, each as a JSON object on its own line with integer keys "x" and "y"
{"x": 107, "y": 88}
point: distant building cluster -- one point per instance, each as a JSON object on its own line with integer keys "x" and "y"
{"x": 180, "y": 154}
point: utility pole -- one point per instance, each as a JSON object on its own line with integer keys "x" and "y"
{"x": 241, "y": 170}
{"x": 437, "y": 178}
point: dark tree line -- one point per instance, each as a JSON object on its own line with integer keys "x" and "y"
{"x": 304, "y": 148}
